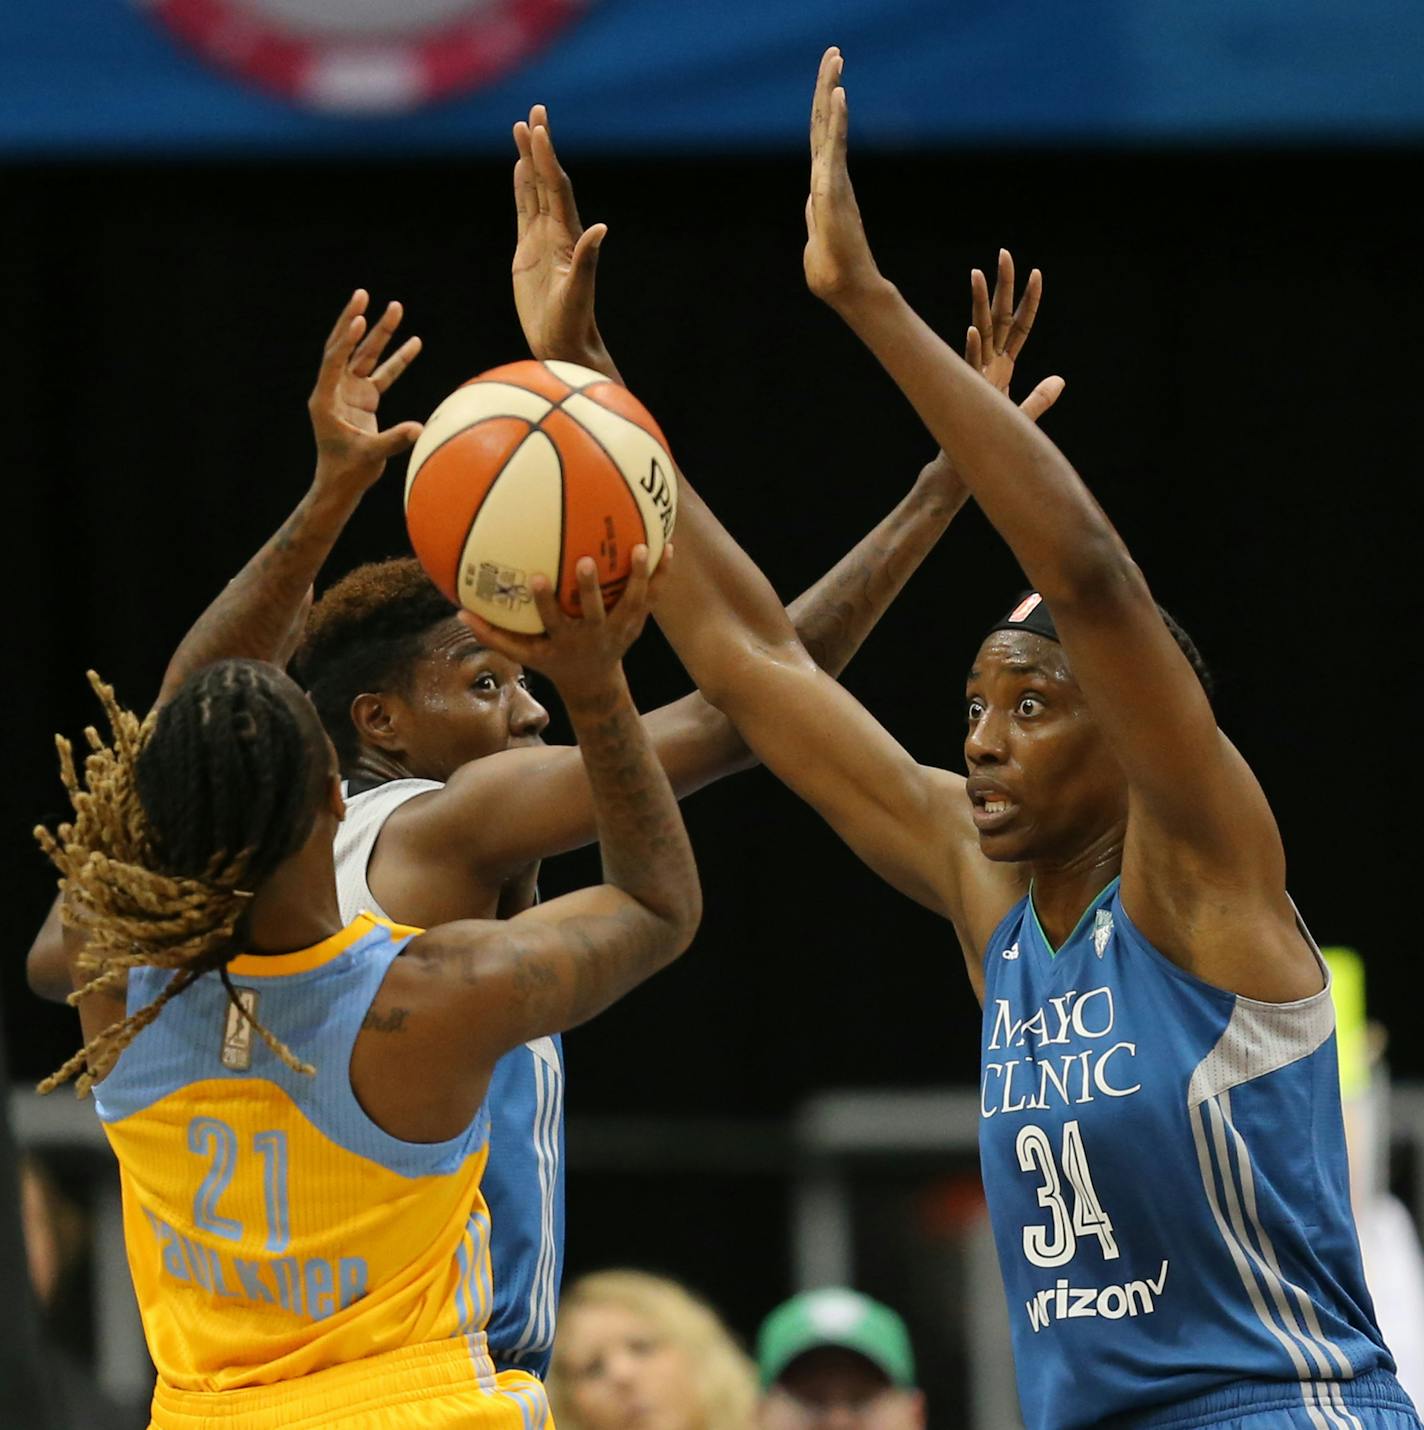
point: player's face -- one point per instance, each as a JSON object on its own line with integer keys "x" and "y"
{"x": 1042, "y": 781}
{"x": 624, "y": 1375}
{"x": 464, "y": 701}
{"x": 834, "y": 1389}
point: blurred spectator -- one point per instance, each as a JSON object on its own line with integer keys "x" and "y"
{"x": 836, "y": 1360}
{"x": 638, "y": 1350}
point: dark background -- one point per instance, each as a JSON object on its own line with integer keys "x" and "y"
{"x": 1239, "y": 331}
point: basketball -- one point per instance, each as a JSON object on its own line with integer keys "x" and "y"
{"x": 526, "y": 469}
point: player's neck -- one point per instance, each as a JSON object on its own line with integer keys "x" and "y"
{"x": 373, "y": 767}
{"x": 1062, "y": 889}
{"x": 297, "y": 905}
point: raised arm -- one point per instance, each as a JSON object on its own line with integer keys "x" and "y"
{"x": 260, "y": 612}
{"x": 468, "y": 992}
{"x": 554, "y": 268}
{"x": 1203, "y": 868}
{"x": 544, "y": 791}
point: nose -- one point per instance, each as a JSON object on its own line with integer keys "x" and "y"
{"x": 526, "y": 717}
{"x": 622, "y": 1368}
{"x": 986, "y": 740}
{"x": 838, "y": 1417}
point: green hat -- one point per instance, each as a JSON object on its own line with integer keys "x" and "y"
{"x": 835, "y": 1317}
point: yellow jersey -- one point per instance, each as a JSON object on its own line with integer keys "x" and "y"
{"x": 294, "y": 1263}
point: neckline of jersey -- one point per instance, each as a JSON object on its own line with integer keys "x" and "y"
{"x": 303, "y": 960}
{"x": 1093, "y": 905}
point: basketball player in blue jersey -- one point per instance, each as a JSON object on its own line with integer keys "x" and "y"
{"x": 297, "y": 1102}
{"x": 1161, "y": 1136}
{"x": 433, "y": 728}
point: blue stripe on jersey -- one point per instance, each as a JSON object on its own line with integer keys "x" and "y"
{"x": 319, "y": 1014}
{"x": 1166, "y": 1176}
{"x": 523, "y": 1184}
{"x": 524, "y": 1189}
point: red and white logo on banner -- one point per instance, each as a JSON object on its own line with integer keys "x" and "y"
{"x": 366, "y": 56}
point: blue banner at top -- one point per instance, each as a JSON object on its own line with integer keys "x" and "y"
{"x": 107, "y": 77}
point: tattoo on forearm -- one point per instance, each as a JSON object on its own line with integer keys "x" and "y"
{"x": 834, "y": 617}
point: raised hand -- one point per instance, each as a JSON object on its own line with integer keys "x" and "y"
{"x": 555, "y": 256}
{"x": 991, "y": 347}
{"x": 352, "y": 451}
{"x": 580, "y": 653}
{"x": 999, "y": 331}
{"x": 838, "y": 262}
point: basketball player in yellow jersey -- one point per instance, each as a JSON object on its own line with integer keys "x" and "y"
{"x": 301, "y": 1137}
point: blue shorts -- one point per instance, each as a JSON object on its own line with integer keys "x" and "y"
{"x": 1375, "y": 1401}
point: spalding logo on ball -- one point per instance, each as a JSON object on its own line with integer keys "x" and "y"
{"x": 528, "y": 468}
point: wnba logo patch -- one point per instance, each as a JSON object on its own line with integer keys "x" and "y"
{"x": 237, "y": 1031}
{"x": 366, "y": 56}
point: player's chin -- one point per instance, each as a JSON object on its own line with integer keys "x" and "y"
{"x": 1005, "y": 846}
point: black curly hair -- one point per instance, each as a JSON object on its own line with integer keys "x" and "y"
{"x": 365, "y": 634}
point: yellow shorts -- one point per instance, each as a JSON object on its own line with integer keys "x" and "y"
{"x": 442, "y": 1385}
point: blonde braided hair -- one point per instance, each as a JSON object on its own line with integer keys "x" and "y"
{"x": 132, "y": 913}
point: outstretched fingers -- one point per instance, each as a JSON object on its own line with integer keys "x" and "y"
{"x": 364, "y": 359}
{"x": 983, "y": 320}
{"x": 1024, "y": 314}
{"x": 827, "y": 78}
{"x": 390, "y": 370}
{"x": 526, "y": 193}
{"x": 557, "y": 186}
{"x": 355, "y": 304}
{"x": 1042, "y": 397}
{"x": 338, "y": 352}
{"x": 1002, "y": 307}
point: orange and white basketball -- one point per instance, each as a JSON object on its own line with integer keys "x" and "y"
{"x": 526, "y": 469}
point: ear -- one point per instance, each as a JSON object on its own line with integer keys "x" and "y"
{"x": 379, "y": 721}
{"x": 334, "y": 800}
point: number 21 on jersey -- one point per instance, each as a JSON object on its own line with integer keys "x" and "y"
{"x": 210, "y": 1138}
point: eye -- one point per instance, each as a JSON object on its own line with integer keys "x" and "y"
{"x": 525, "y": 683}
{"x": 1029, "y": 705}
{"x": 973, "y": 710}
{"x": 485, "y": 683}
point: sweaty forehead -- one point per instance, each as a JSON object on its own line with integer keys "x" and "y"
{"x": 452, "y": 644}
{"x": 1020, "y": 653}
{"x": 449, "y": 639}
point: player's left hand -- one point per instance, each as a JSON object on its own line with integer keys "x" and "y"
{"x": 555, "y": 256}
{"x": 991, "y": 347}
{"x": 999, "y": 331}
{"x": 352, "y": 451}
{"x": 838, "y": 262}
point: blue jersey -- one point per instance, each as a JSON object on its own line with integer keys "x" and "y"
{"x": 523, "y": 1183}
{"x": 1165, "y": 1169}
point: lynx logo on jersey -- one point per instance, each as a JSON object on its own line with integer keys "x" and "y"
{"x": 1102, "y": 931}
{"x": 237, "y": 1031}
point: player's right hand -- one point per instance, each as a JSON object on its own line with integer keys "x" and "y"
{"x": 352, "y": 451}
{"x": 555, "y": 256}
{"x": 581, "y": 654}
{"x": 838, "y": 262}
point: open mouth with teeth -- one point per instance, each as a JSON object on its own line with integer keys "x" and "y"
{"x": 992, "y": 809}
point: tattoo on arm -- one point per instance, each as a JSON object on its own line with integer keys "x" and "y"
{"x": 391, "y": 1020}
{"x": 254, "y": 614}
{"x": 834, "y": 617}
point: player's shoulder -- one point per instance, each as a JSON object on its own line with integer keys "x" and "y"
{"x": 979, "y": 892}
